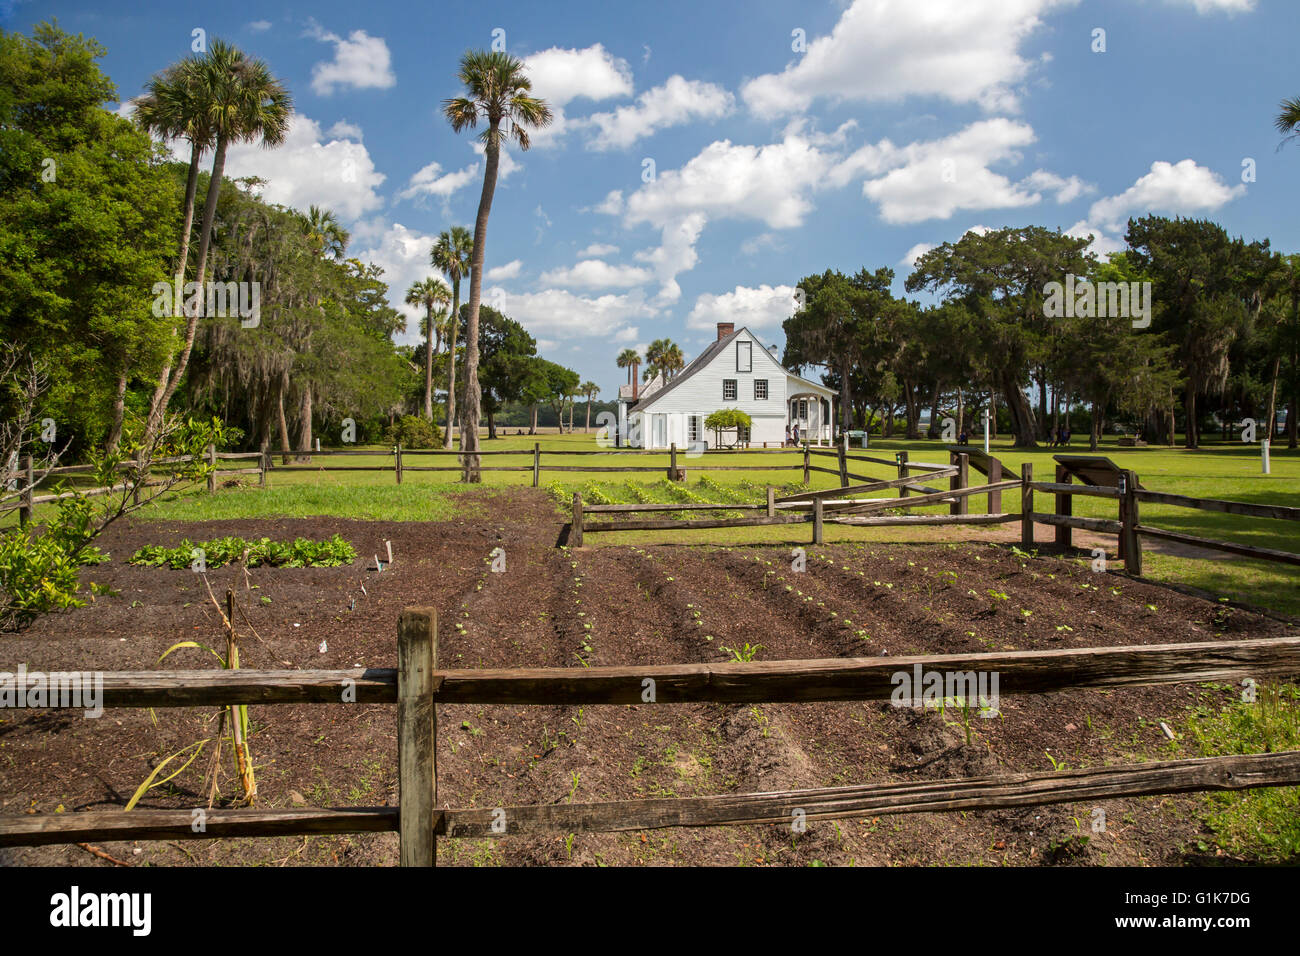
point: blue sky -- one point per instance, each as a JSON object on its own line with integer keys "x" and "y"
{"x": 899, "y": 124}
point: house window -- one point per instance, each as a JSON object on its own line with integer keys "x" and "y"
{"x": 693, "y": 427}
{"x": 744, "y": 357}
{"x": 760, "y": 389}
{"x": 803, "y": 409}
{"x": 728, "y": 389}
{"x": 742, "y": 434}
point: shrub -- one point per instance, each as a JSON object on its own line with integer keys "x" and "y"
{"x": 39, "y": 573}
{"x": 412, "y": 431}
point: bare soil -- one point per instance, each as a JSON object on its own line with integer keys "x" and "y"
{"x": 657, "y": 604}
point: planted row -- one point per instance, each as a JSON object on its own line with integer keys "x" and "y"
{"x": 299, "y": 553}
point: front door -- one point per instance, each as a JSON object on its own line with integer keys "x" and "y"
{"x": 659, "y": 431}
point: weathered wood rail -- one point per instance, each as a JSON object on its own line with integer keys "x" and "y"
{"x": 417, "y": 687}
{"x": 1107, "y": 480}
{"x": 28, "y": 499}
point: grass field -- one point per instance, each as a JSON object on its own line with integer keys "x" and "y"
{"x": 1230, "y": 471}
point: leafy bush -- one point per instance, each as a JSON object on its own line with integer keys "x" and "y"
{"x": 412, "y": 431}
{"x": 39, "y": 573}
{"x": 220, "y": 551}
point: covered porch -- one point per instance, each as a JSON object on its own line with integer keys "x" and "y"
{"x": 812, "y": 411}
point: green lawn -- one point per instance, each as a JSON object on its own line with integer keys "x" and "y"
{"x": 1230, "y": 471}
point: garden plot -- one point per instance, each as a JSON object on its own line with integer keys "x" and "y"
{"x": 559, "y": 607}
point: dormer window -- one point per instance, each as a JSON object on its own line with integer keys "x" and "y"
{"x": 744, "y": 357}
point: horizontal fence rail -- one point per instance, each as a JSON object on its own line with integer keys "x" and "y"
{"x": 823, "y": 679}
{"x": 973, "y": 793}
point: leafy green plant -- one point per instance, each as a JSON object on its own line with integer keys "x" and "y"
{"x": 744, "y": 654}
{"x": 220, "y": 551}
{"x": 412, "y": 431}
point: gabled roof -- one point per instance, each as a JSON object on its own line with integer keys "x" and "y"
{"x": 816, "y": 386}
{"x": 699, "y": 362}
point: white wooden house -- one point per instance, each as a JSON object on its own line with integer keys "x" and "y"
{"x": 735, "y": 371}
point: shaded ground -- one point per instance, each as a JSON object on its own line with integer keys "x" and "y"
{"x": 659, "y": 604}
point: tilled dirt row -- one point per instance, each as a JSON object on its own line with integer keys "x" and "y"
{"x": 600, "y": 606}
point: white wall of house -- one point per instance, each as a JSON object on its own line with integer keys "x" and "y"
{"x": 761, "y": 385}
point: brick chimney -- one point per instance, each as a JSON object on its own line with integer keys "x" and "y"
{"x": 725, "y": 329}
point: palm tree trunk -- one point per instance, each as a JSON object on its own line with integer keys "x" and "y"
{"x": 1190, "y": 439}
{"x": 164, "y": 396}
{"x": 587, "y": 430}
{"x": 191, "y": 190}
{"x": 532, "y": 428}
{"x": 469, "y": 423}
{"x": 428, "y": 363}
{"x": 451, "y": 362}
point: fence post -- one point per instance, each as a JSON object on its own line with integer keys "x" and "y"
{"x": 212, "y": 464}
{"x": 902, "y": 472}
{"x": 1026, "y": 506}
{"x": 807, "y": 461}
{"x": 397, "y": 462}
{"x": 537, "y": 462}
{"x": 575, "y": 534}
{"x": 817, "y": 520}
{"x": 25, "y": 503}
{"x": 771, "y": 501}
{"x": 417, "y": 728}
{"x": 844, "y": 461}
{"x": 263, "y": 464}
{"x": 672, "y": 462}
{"x": 1064, "y": 506}
{"x": 994, "y": 476}
{"x": 957, "y": 483}
{"x": 1128, "y": 534}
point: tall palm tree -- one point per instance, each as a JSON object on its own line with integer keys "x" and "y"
{"x": 325, "y": 232}
{"x": 242, "y": 102}
{"x": 172, "y": 108}
{"x": 672, "y": 361}
{"x": 589, "y": 388}
{"x": 626, "y": 359}
{"x": 1288, "y": 118}
{"x": 451, "y": 256}
{"x": 498, "y": 93}
{"x": 428, "y": 293}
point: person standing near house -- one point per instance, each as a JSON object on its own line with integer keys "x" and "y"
{"x": 794, "y": 433}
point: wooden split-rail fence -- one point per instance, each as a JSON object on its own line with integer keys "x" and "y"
{"x": 28, "y": 499}
{"x": 417, "y": 686}
{"x": 1082, "y": 475}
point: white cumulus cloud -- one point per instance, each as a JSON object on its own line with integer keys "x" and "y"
{"x": 360, "y": 62}
{"x": 1181, "y": 189}
{"x": 561, "y": 75}
{"x": 964, "y": 51}
{"x": 311, "y": 168}
{"x": 677, "y": 101}
{"x": 764, "y": 307}
{"x": 501, "y": 273}
{"x": 597, "y": 274}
